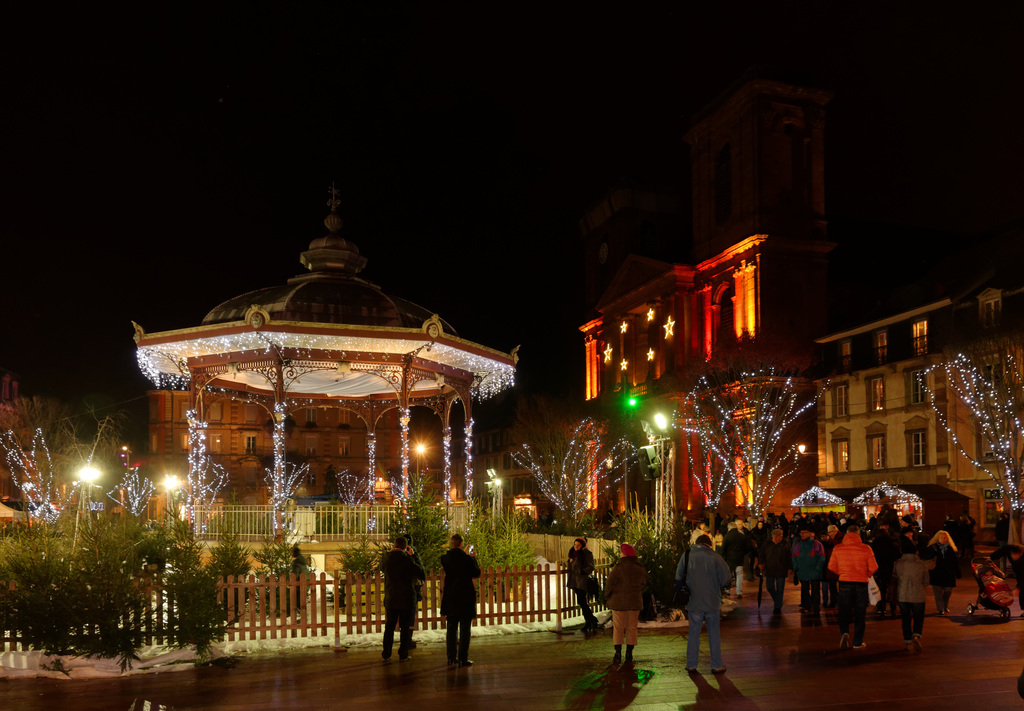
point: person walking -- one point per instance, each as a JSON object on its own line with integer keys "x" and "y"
{"x": 402, "y": 568}
{"x": 829, "y": 585}
{"x": 581, "y": 565}
{"x": 809, "y": 564}
{"x": 854, "y": 562}
{"x": 910, "y": 575}
{"x": 887, "y": 551}
{"x": 458, "y": 600}
{"x": 775, "y": 558}
{"x": 735, "y": 548}
{"x": 623, "y": 594}
{"x": 300, "y": 569}
{"x": 706, "y": 574}
{"x": 947, "y": 569}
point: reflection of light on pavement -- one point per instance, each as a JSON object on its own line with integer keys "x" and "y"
{"x": 144, "y": 705}
{"x": 614, "y": 688}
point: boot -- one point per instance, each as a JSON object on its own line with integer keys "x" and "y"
{"x": 618, "y": 654}
{"x": 629, "y": 653}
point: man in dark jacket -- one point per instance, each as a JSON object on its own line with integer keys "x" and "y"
{"x": 887, "y": 551}
{"x": 458, "y": 601}
{"x": 735, "y": 547}
{"x": 402, "y": 568}
{"x": 775, "y": 559}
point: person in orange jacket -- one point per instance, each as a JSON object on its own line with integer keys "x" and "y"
{"x": 854, "y": 562}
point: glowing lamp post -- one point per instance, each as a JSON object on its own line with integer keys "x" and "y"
{"x": 171, "y": 485}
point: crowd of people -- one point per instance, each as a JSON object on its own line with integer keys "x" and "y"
{"x": 834, "y": 558}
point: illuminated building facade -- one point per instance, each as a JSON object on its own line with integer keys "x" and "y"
{"x": 755, "y": 267}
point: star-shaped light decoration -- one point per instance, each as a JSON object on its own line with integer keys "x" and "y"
{"x": 669, "y": 325}
{"x": 650, "y": 354}
{"x": 623, "y": 327}
{"x": 650, "y": 314}
{"x": 624, "y": 362}
{"x": 608, "y": 354}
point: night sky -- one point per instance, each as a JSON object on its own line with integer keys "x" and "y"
{"x": 160, "y": 159}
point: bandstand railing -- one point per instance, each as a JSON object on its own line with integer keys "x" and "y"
{"x": 321, "y": 523}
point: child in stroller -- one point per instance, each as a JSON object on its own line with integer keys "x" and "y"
{"x": 993, "y": 592}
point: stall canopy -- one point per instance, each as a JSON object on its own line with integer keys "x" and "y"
{"x": 818, "y": 499}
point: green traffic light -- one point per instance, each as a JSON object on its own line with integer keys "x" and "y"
{"x": 632, "y": 402}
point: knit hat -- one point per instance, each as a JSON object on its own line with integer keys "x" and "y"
{"x": 627, "y": 550}
{"x": 583, "y": 542}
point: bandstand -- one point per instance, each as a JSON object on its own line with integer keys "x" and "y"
{"x": 325, "y": 339}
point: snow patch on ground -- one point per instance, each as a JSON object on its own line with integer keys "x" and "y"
{"x": 152, "y": 660}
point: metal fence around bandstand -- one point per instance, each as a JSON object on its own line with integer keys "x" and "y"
{"x": 322, "y": 523}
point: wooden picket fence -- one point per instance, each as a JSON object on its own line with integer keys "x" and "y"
{"x": 278, "y": 607}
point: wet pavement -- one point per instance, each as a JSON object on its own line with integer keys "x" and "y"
{"x": 787, "y": 662}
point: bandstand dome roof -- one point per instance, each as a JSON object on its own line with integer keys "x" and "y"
{"x": 338, "y": 335}
{"x": 325, "y": 297}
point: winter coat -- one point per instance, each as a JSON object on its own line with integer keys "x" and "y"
{"x": 777, "y": 558}
{"x": 809, "y": 559}
{"x": 947, "y": 567}
{"x": 299, "y": 566}
{"x": 735, "y": 547}
{"x": 911, "y": 576}
{"x": 624, "y": 588}
{"x": 887, "y": 552}
{"x": 852, "y": 560}
{"x": 706, "y": 575}
{"x": 401, "y": 571}
{"x": 458, "y": 600}
{"x": 581, "y": 565}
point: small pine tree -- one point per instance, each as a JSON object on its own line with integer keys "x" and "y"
{"x": 197, "y": 618}
{"x": 425, "y": 523}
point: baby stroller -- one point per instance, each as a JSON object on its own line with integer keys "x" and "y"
{"x": 993, "y": 592}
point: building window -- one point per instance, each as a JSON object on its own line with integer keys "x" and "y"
{"x": 184, "y": 412}
{"x": 310, "y": 417}
{"x": 876, "y": 452}
{"x": 842, "y": 455}
{"x": 343, "y": 447}
{"x": 918, "y": 389}
{"x": 250, "y": 444}
{"x": 342, "y": 417}
{"x": 845, "y": 356}
{"x": 876, "y": 393}
{"x": 918, "y": 449}
{"x": 184, "y": 443}
{"x": 723, "y": 184}
{"x": 841, "y": 400}
{"x": 881, "y": 342}
{"x": 216, "y": 442}
{"x": 251, "y": 413}
{"x": 311, "y": 476}
{"x": 216, "y": 413}
{"x": 311, "y": 442}
{"x": 920, "y": 333}
{"x": 990, "y": 309}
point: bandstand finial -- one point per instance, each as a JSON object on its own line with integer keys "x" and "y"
{"x": 333, "y": 221}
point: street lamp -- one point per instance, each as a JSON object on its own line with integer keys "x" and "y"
{"x": 171, "y": 484}
{"x": 86, "y": 476}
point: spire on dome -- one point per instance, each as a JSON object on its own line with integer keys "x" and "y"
{"x": 333, "y": 252}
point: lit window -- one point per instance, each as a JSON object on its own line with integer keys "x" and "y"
{"x": 877, "y": 393}
{"x": 845, "y": 356}
{"x": 877, "y": 452}
{"x": 184, "y": 443}
{"x": 343, "y": 446}
{"x": 842, "y": 455}
{"x": 841, "y": 400}
{"x": 920, "y": 333}
{"x": 918, "y": 449}
{"x": 311, "y": 442}
{"x": 250, "y": 444}
{"x": 311, "y": 416}
{"x": 881, "y": 339}
{"x": 216, "y": 442}
{"x": 918, "y": 389}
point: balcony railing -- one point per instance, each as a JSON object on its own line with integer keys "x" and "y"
{"x": 321, "y": 523}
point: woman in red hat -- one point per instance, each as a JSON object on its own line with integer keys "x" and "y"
{"x": 623, "y": 593}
